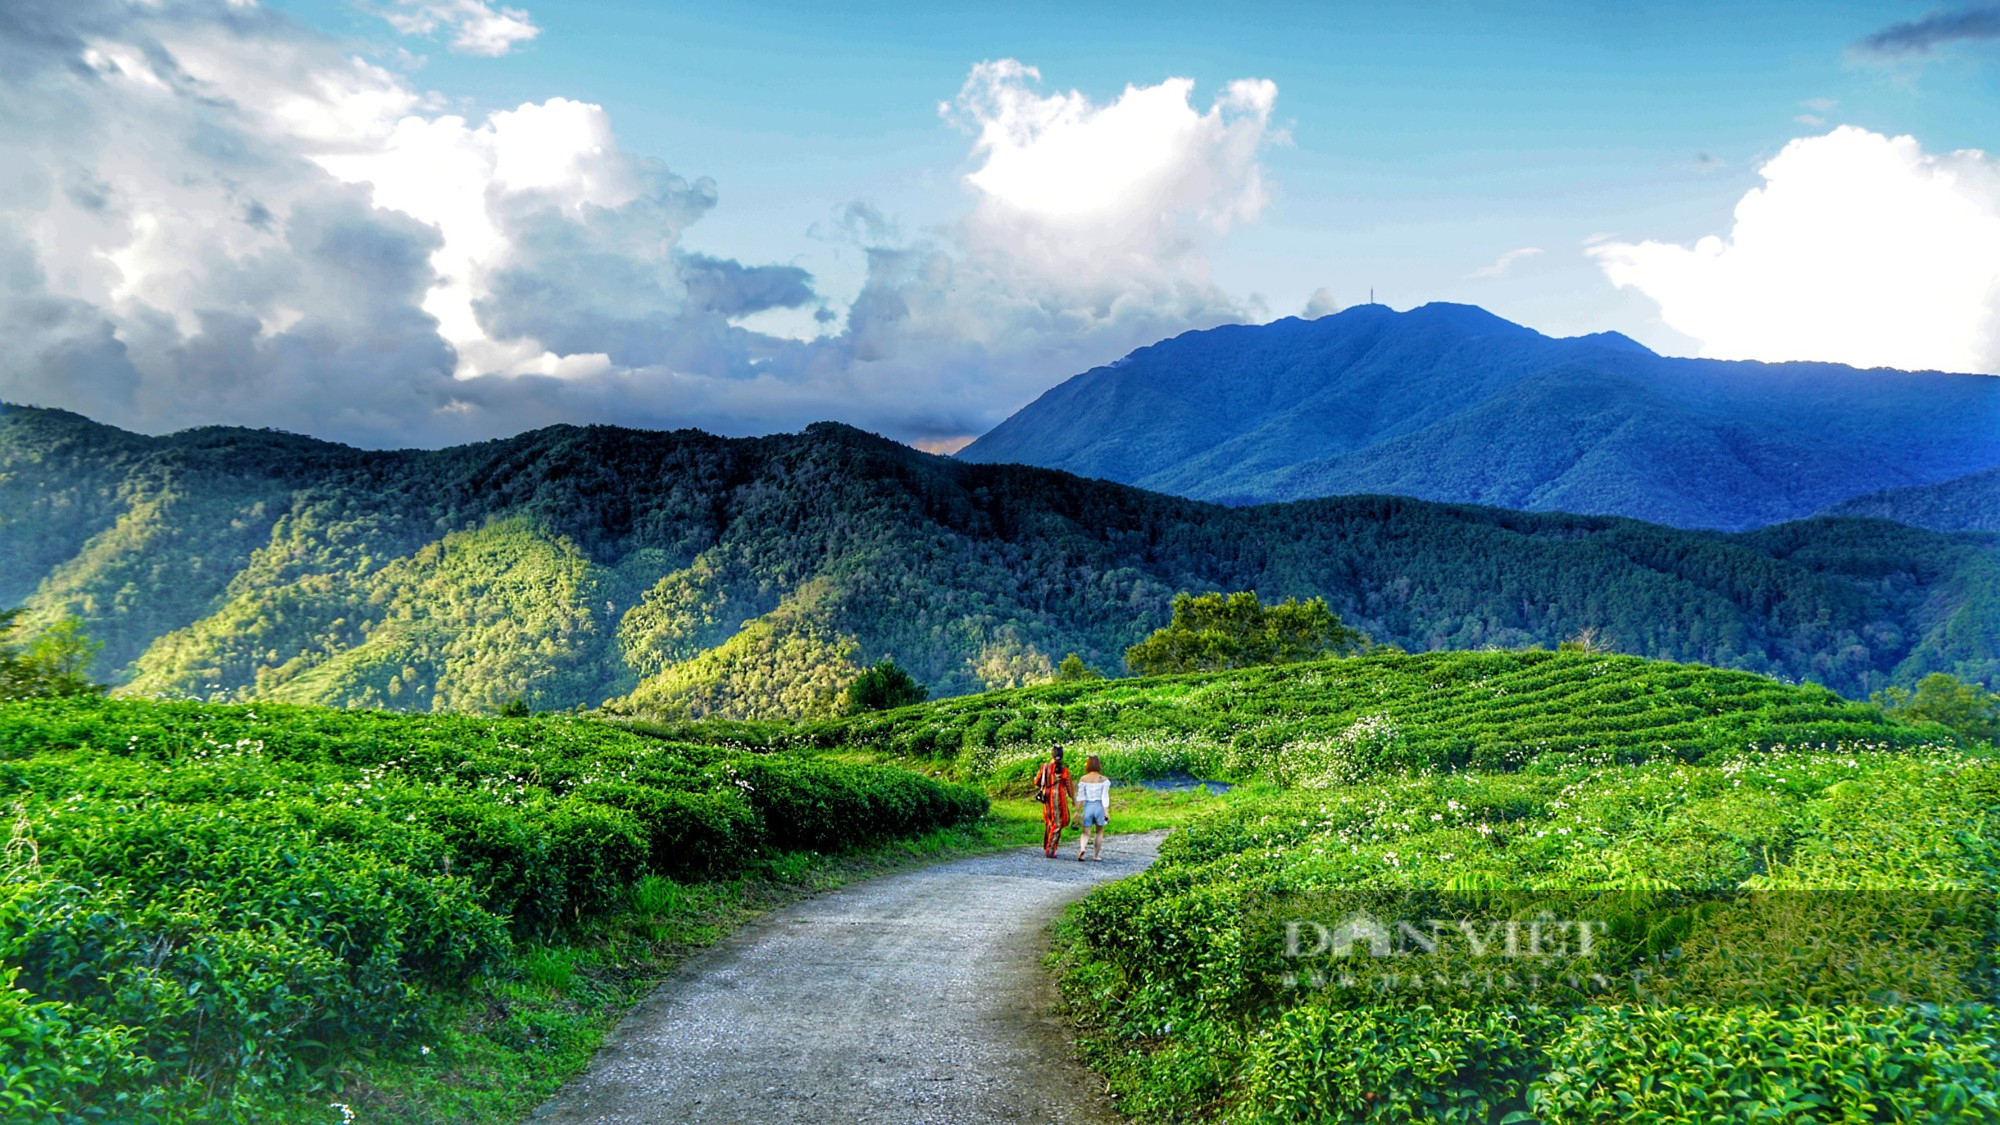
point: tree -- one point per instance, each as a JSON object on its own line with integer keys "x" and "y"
{"x": 1212, "y": 632}
{"x": 1587, "y": 639}
{"x": 55, "y": 663}
{"x": 1941, "y": 697}
{"x": 881, "y": 688}
{"x": 1073, "y": 670}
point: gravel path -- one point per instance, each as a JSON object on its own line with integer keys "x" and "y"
{"x": 913, "y": 999}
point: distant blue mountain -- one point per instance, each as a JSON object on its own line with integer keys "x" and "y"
{"x": 1449, "y": 402}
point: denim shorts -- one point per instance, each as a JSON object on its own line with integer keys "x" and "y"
{"x": 1093, "y": 814}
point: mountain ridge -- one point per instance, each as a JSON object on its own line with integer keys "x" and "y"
{"x": 1372, "y": 400}
{"x": 680, "y": 573}
{"x": 1967, "y": 503}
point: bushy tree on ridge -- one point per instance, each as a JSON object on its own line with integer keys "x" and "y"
{"x": 1212, "y": 632}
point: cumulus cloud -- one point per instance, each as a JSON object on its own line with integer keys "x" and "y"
{"x": 1321, "y": 303}
{"x": 1145, "y": 173}
{"x": 1920, "y": 36}
{"x": 1858, "y": 248}
{"x": 475, "y": 27}
{"x": 220, "y": 216}
{"x": 1088, "y": 235}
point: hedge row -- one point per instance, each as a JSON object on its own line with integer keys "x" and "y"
{"x": 1444, "y": 710}
{"x": 1787, "y": 936}
{"x": 206, "y": 900}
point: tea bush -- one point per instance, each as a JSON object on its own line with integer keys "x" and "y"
{"x": 1725, "y": 888}
{"x": 1339, "y": 721}
{"x": 206, "y": 904}
{"x": 1677, "y": 1065}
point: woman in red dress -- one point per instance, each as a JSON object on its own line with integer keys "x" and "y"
{"x": 1052, "y": 788}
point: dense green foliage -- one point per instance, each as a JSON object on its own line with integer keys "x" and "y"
{"x": 1724, "y": 828}
{"x": 1945, "y": 699}
{"x": 1351, "y": 718}
{"x": 685, "y": 575}
{"x": 1073, "y": 670}
{"x": 1967, "y": 503}
{"x": 207, "y": 904}
{"x": 881, "y": 688}
{"x": 1449, "y": 402}
{"x": 57, "y": 663}
{"x": 1213, "y": 632}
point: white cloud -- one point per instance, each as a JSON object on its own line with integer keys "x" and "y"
{"x": 531, "y": 182}
{"x": 1145, "y": 171}
{"x": 1858, "y": 248}
{"x": 1505, "y": 262}
{"x": 1321, "y": 303}
{"x": 475, "y": 27}
{"x": 1088, "y": 236}
{"x": 223, "y": 218}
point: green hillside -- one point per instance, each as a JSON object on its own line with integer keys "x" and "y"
{"x": 1967, "y": 503}
{"x": 1320, "y": 723}
{"x": 686, "y": 575}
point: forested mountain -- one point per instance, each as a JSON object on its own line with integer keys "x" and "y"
{"x": 682, "y": 573}
{"x": 1968, "y": 503}
{"x": 1449, "y": 402}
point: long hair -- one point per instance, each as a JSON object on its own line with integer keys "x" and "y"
{"x": 1055, "y": 753}
{"x": 1092, "y": 765}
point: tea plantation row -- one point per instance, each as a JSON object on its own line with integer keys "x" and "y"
{"x": 203, "y": 903}
{"x": 1347, "y": 719}
{"x": 1777, "y": 936}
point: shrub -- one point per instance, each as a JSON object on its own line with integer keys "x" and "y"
{"x": 1211, "y": 632}
{"x": 599, "y": 851}
{"x": 1787, "y": 890}
{"x": 884, "y": 687}
{"x": 1395, "y": 1064}
{"x": 216, "y": 901}
{"x": 687, "y": 833}
{"x": 824, "y": 806}
{"x": 1669, "y": 1066}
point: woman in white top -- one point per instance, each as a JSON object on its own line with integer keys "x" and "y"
{"x": 1093, "y": 793}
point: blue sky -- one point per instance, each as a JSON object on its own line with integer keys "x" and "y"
{"x": 1554, "y": 162}
{"x": 1426, "y": 139}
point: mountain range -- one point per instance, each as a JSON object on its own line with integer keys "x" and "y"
{"x": 1449, "y": 402}
{"x": 1967, "y": 503}
{"x": 683, "y": 574}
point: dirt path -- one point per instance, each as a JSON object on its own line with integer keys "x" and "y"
{"x": 914, "y": 999}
